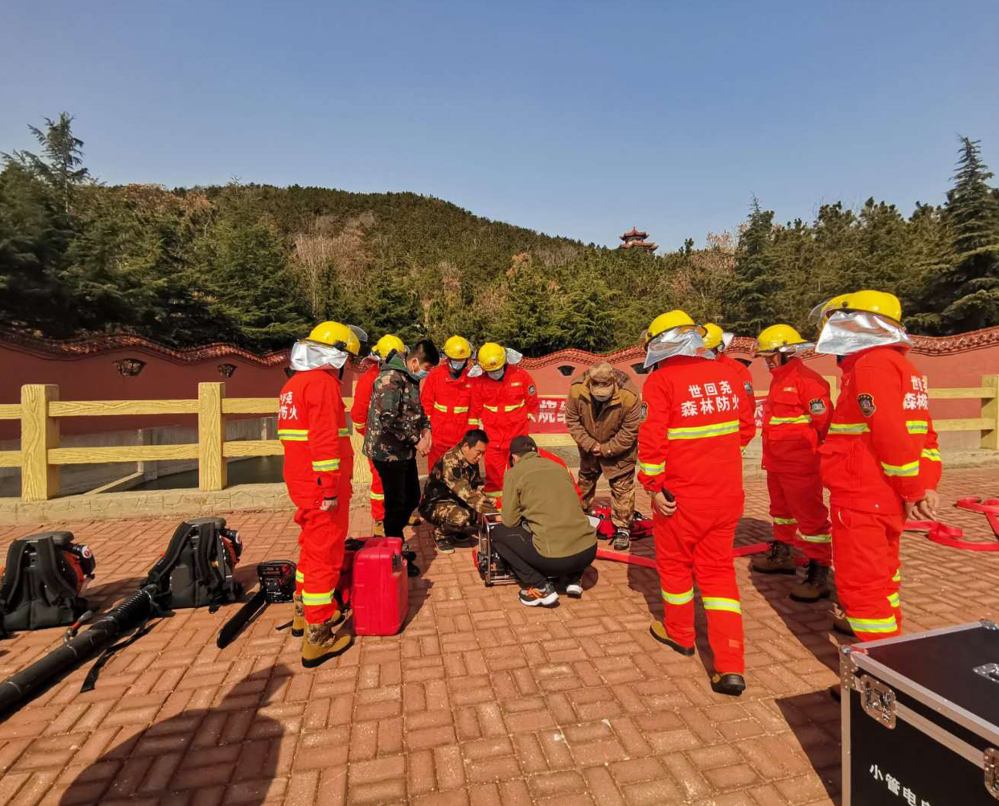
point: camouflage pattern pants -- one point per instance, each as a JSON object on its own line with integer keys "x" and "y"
{"x": 622, "y": 485}
{"x": 451, "y": 519}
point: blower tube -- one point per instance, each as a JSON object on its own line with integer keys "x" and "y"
{"x": 129, "y": 614}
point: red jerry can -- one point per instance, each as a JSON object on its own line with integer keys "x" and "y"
{"x": 380, "y": 587}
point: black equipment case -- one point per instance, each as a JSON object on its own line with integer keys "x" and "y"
{"x": 921, "y": 719}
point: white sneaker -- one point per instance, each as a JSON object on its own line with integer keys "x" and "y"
{"x": 575, "y": 591}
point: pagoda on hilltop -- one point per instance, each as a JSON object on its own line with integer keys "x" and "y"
{"x": 636, "y": 240}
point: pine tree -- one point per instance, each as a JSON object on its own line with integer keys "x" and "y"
{"x": 750, "y": 297}
{"x": 970, "y": 289}
{"x": 62, "y": 163}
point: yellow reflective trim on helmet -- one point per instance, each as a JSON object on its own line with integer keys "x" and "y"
{"x": 789, "y": 420}
{"x": 874, "y": 625}
{"x": 917, "y": 426}
{"x": 678, "y": 598}
{"x": 326, "y": 465}
{"x": 849, "y": 428}
{"x": 906, "y": 470}
{"x": 932, "y": 454}
{"x": 817, "y": 538}
{"x": 651, "y": 470}
{"x": 701, "y": 431}
{"x": 720, "y": 603}
{"x": 314, "y": 599}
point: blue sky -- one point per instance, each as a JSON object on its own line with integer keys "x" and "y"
{"x": 573, "y": 118}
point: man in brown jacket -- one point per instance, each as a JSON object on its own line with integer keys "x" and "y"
{"x": 603, "y": 413}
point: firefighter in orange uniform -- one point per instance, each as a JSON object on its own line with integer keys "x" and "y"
{"x": 880, "y": 461}
{"x": 795, "y": 420}
{"x": 504, "y": 398}
{"x": 690, "y": 461}
{"x": 359, "y": 416}
{"x": 446, "y": 395}
{"x": 311, "y": 427}
{"x": 717, "y": 342}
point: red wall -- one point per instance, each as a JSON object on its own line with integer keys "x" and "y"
{"x": 84, "y": 370}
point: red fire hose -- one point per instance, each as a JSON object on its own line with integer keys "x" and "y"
{"x": 989, "y": 508}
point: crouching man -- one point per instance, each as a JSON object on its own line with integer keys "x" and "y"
{"x": 545, "y": 534}
{"x": 453, "y": 497}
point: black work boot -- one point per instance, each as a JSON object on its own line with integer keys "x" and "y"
{"x": 658, "y": 630}
{"x": 777, "y": 561}
{"x": 545, "y": 596}
{"x": 732, "y": 684}
{"x": 814, "y": 586}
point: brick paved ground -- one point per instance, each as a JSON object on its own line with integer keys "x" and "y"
{"x": 479, "y": 701}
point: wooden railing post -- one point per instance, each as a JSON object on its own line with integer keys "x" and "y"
{"x": 212, "y": 468}
{"x": 833, "y": 382}
{"x": 39, "y": 433}
{"x": 990, "y": 412}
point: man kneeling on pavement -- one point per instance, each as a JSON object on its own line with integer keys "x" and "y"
{"x": 453, "y": 497}
{"x": 545, "y": 534}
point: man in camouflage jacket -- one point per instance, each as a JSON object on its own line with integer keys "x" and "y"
{"x": 398, "y": 429}
{"x": 453, "y": 497}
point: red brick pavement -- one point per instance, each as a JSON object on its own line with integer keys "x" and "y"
{"x": 479, "y": 701}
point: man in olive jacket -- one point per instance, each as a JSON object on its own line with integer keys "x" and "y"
{"x": 544, "y": 535}
{"x": 603, "y": 413}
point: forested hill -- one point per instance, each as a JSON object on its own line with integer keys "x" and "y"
{"x": 257, "y": 265}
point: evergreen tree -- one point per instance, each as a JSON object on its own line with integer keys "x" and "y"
{"x": 749, "y": 301}
{"x": 970, "y": 289}
{"x": 61, "y": 167}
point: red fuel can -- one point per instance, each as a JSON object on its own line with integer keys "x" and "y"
{"x": 379, "y": 587}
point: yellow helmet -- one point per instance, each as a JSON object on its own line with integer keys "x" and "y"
{"x": 879, "y": 302}
{"x": 386, "y": 344}
{"x": 457, "y": 348}
{"x": 491, "y": 357}
{"x": 667, "y": 321}
{"x": 711, "y": 335}
{"x": 777, "y": 336}
{"x": 336, "y": 335}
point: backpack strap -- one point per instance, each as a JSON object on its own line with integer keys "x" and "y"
{"x": 165, "y": 565}
{"x": 57, "y": 587}
{"x": 13, "y": 573}
{"x": 209, "y": 547}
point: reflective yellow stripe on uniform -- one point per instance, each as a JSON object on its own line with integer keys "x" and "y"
{"x": 785, "y": 521}
{"x": 652, "y": 470}
{"x": 917, "y": 426}
{"x": 718, "y": 603}
{"x": 874, "y": 625}
{"x": 299, "y": 576}
{"x": 495, "y": 494}
{"x": 932, "y": 454}
{"x": 493, "y": 409}
{"x": 679, "y": 598}
{"x": 789, "y": 420}
{"x": 439, "y": 407}
{"x": 701, "y": 431}
{"x": 314, "y": 599}
{"x": 817, "y": 538}
{"x": 293, "y": 434}
{"x": 376, "y": 496}
{"x": 345, "y": 432}
{"x": 910, "y": 469}
{"x": 474, "y": 422}
{"x": 514, "y": 407}
{"x": 460, "y": 409}
{"x": 849, "y": 428}
{"x": 326, "y": 465}
{"x": 898, "y": 576}
{"x": 893, "y": 599}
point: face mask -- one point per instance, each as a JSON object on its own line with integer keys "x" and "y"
{"x": 848, "y": 332}
{"x": 603, "y": 393}
{"x": 672, "y": 343}
{"x": 457, "y": 364}
{"x": 420, "y": 374}
{"x": 306, "y": 355}
{"x": 497, "y": 374}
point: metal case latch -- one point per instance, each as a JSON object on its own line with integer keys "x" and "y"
{"x": 990, "y": 671}
{"x": 877, "y": 700}
{"x": 991, "y": 758}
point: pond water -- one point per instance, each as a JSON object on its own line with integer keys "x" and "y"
{"x": 258, "y": 470}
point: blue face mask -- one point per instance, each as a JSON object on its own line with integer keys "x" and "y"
{"x": 497, "y": 375}
{"x": 421, "y": 374}
{"x": 457, "y": 365}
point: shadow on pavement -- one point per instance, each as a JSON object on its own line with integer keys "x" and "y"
{"x": 224, "y": 754}
{"x": 814, "y": 720}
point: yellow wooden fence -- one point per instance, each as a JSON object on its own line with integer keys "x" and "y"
{"x": 40, "y": 410}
